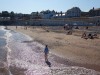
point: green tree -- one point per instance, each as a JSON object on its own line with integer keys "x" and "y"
{"x": 12, "y": 15}
{"x": 5, "y": 14}
{"x": 61, "y": 13}
{"x": 0, "y": 14}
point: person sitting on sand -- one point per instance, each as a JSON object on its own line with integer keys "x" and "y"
{"x": 86, "y": 27}
{"x": 95, "y": 35}
{"x": 64, "y": 27}
{"x": 90, "y": 36}
{"x": 46, "y": 51}
{"x": 83, "y": 35}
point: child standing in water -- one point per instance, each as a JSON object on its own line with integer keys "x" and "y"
{"x": 46, "y": 51}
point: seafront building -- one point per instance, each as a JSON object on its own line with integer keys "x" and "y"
{"x": 73, "y": 16}
{"x": 73, "y": 12}
{"x": 94, "y": 12}
{"x": 47, "y": 14}
{"x": 55, "y": 22}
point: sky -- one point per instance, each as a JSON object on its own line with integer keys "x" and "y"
{"x": 28, "y": 6}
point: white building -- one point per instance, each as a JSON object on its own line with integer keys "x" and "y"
{"x": 73, "y": 12}
{"x": 59, "y": 15}
{"x": 47, "y": 14}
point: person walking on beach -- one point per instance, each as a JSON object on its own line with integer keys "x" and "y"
{"x": 16, "y": 26}
{"x": 46, "y": 51}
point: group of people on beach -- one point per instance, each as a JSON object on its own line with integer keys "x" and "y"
{"x": 90, "y": 35}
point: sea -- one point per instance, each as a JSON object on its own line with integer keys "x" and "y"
{"x": 21, "y": 55}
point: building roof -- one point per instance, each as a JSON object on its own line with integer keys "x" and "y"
{"x": 97, "y": 9}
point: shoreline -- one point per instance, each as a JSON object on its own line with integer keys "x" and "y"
{"x": 64, "y": 60}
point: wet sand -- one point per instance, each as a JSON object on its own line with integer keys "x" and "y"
{"x": 17, "y": 71}
{"x": 73, "y": 49}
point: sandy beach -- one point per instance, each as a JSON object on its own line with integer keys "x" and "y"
{"x": 72, "y": 48}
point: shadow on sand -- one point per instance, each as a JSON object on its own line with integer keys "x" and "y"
{"x": 48, "y": 63}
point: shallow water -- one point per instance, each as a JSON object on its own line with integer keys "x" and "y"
{"x": 2, "y": 39}
{"x": 3, "y": 49}
{"x": 3, "y": 53}
{"x": 26, "y": 57}
{"x": 2, "y": 33}
{"x": 2, "y": 42}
